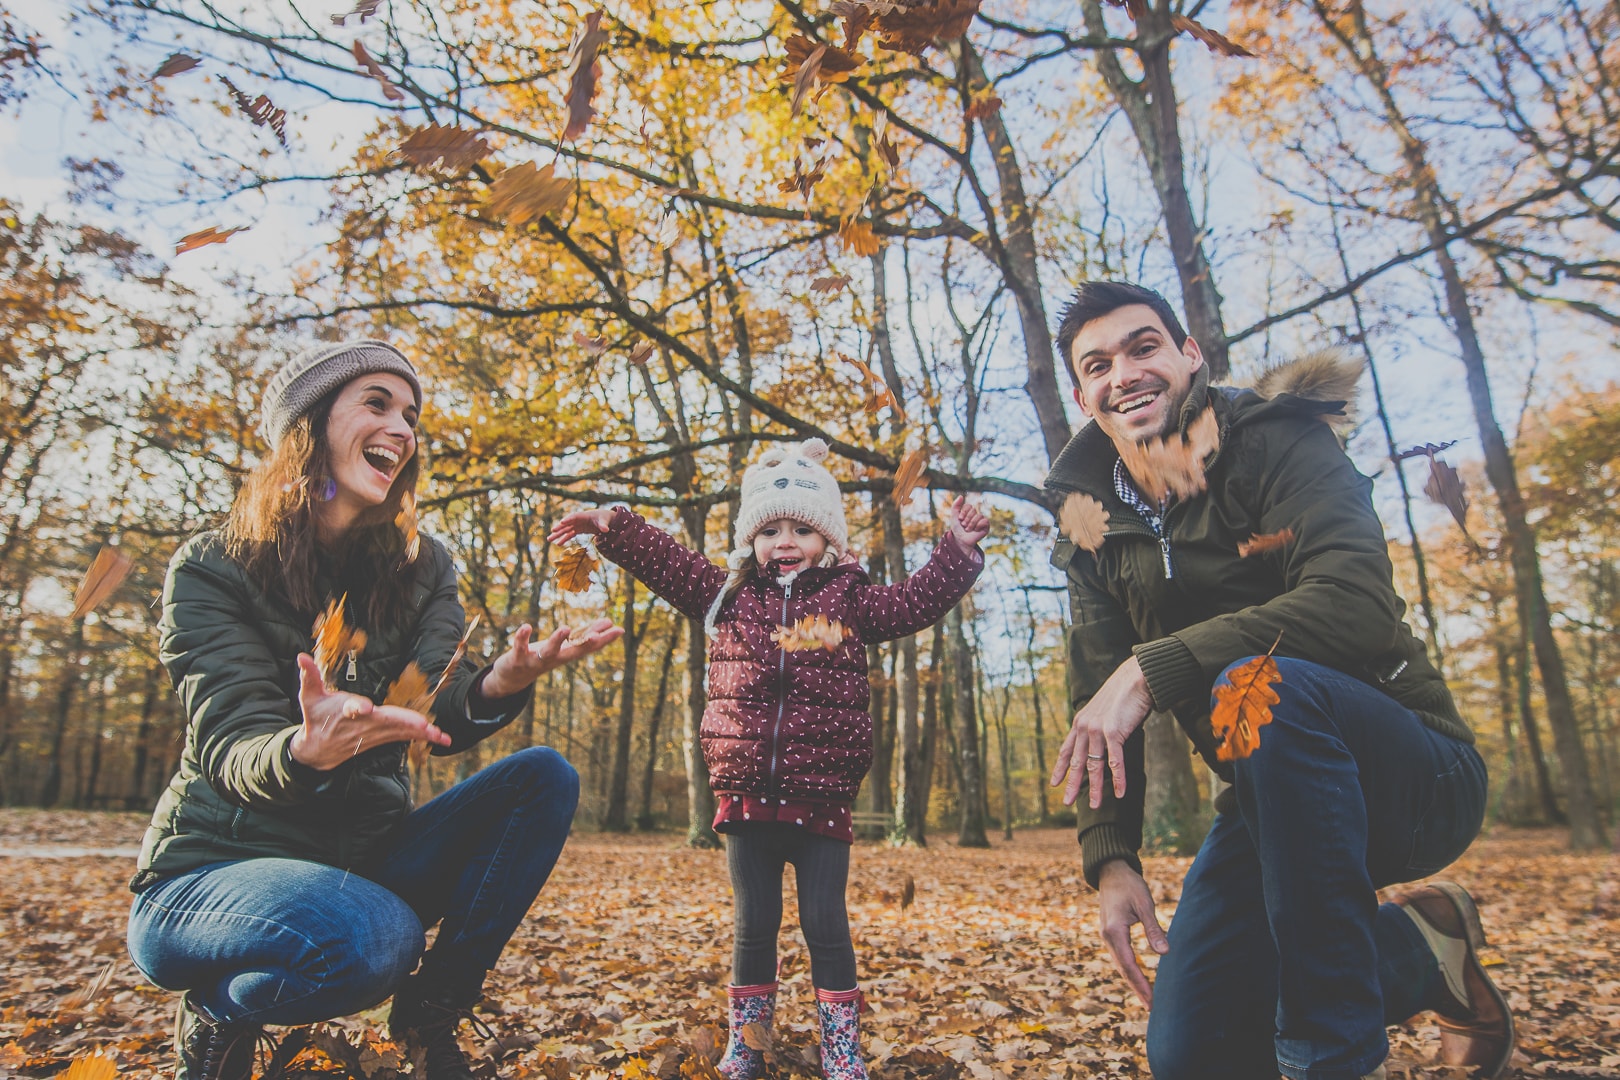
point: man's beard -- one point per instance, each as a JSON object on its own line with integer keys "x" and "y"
{"x": 1167, "y": 425}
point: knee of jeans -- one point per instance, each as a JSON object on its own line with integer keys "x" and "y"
{"x": 386, "y": 957}
{"x": 548, "y": 773}
{"x": 1171, "y": 1056}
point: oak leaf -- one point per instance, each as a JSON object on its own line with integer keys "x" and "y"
{"x": 211, "y": 235}
{"x": 365, "y": 9}
{"x": 913, "y": 29}
{"x": 575, "y": 564}
{"x": 857, "y": 21}
{"x": 1243, "y": 706}
{"x": 909, "y": 475}
{"x": 1083, "y": 520}
{"x": 525, "y": 193}
{"x": 831, "y": 283}
{"x": 374, "y": 69}
{"x": 457, "y": 148}
{"x": 336, "y": 642}
{"x": 1263, "y": 543}
{"x": 857, "y": 237}
{"x": 1174, "y": 465}
{"x": 582, "y": 72}
{"x": 107, "y": 571}
{"x": 1445, "y": 487}
{"x": 261, "y": 110}
{"x": 810, "y": 632}
{"x": 175, "y": 64}
{"x": 1216, "y": 42}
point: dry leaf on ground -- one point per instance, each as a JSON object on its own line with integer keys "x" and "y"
{"x": 107, "y": 571}
{"x": 1083, "y": 520}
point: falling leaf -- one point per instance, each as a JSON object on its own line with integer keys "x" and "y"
{"x": 830, "y": 284}
{"x": 261, "y": 110}
{"x": 575, "y": 565}
{"x": 810, "y": 632}
{"x": 803, "y": 181}
{"x": 1445, "y": 487}
{"x": 879, "y": 396}
{"x": 1426, "y": 450}
{"x": 364, "y": 8}
{"x": 94, "y": 1067}
{"x": 374, "y": 69}
{"x": 982, "y": 107}
{"x": 913, "y": 29}
{"x": 407, "y": 523}
{"x": 411, "y": 690}
{"x": 594, "y": 345}
{"x": 669, "y": 230}
{"x": 908, "y": 892}
{"x": 175, "y": 64}
{"x": 107, "y": 571}
{"x": 211, "y": 235}
{"x": 1262, "y": 543}
{"x": 857, "y": 20}
{"x": 1083, "y": 520}
{"x": 1243, "y": 706}
{"x": 1174, "y": 466}
{"x": 857, "y": 237}
{"x": 1219, "y": 43}
{"x": 909, "y": 475}
{"x": 642, "y": 352}
{"x": 336, "y": 643}
{"x": 833, "y": 65}
{"x": 457, "y": 148}
{"x": 525, "y": 193}
{"x": 581, "y": 72}
{"x": 806, "y": 78}
{"x": 86, "y": 994}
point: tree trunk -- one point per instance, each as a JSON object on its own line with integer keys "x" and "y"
{"x": 1172, "y": 817}
{"x": 617, "y": 816}
{"x": 1532, "y": 733}
{"x": 970, "y": 832}
{"x": 1512, "y": 805}
{"x": 644, "y": 820}
{"x": 61, "y": 711}
{"x": 1035, "y": 700}
{"x": 151, "y": 686}
{"x": 1150, "y": 106}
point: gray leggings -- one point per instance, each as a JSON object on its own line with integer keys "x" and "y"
{"x": 757, "y": 854}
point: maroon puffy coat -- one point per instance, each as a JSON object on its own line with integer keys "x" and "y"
{"x": 789, "y": 724}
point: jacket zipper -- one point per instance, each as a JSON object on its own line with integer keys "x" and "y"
{"x": 781, "y": 703}
{"x": 353, "y": 671}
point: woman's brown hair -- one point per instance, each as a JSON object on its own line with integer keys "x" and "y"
{"x": 272, "y": 531}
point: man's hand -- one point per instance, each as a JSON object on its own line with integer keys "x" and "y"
{"x": 1123, "y": 900}
{"x": 527, "y": 660}
{"x": 337, "y": 725}
{"x": 581, "y": 522}
{"x": 967, "y": 523}
{"x": 1099, "y": 733}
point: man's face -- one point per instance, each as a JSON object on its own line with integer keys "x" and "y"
{"x": 1133, "y": 379}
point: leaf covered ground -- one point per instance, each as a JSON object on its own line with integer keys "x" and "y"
{"x": 993, "y": 970}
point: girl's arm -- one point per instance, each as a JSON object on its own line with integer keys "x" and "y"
{"x": 680, "y": 575}
{"x": 885, "y": 612}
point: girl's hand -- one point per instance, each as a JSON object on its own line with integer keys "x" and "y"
{"x": 581, "y": 522}
{"x": 337, "y": 725}
{"x": 966, "y": 523}
{"x": 526, "y": 660}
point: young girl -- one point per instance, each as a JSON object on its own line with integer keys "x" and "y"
{"x": 787, "y": 735}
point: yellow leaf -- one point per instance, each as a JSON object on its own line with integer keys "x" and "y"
{"x": 575, "y": 565}
{"x": 94, "y": 1067}
{"x": 857, "y": 237}
{"x": 525, "y": 193}
{"x": 1083, "y": 520}
{"x": 335, "y": 641}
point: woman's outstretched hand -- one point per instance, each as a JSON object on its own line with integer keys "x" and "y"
{"x": 528, "y": 659}
{"x": 967, "y": 523}
{"x": 338, "y": 725}
{"x": 581, "y": 522}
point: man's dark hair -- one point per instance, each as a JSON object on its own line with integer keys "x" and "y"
{"x": 1094, "y": 299}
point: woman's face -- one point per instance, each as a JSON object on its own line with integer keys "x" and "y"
{"x": 792, "y": 544}
{"x": 370, "y": 435}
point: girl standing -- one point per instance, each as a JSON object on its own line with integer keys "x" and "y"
{"x": 787, "y": 735}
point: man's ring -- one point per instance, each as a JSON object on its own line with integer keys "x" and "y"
{"x": 1094, "y": 757}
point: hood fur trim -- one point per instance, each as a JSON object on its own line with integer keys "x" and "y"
{"x": 1323, "y": 375}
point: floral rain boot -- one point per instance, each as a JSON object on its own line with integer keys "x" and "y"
{"x": 841, "y": 1034}
{"x": 749, "y": 1005}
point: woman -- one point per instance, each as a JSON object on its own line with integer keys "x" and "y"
{"x": 285, "y": 878}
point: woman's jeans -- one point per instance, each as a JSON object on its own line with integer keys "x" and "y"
{"x": 284, "y": 941}
{"x": 1281, "y": 958}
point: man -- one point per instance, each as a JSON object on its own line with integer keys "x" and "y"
{"x": 1280, "y": 957}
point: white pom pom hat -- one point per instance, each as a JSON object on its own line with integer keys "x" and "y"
{"x": 791, "y": 482}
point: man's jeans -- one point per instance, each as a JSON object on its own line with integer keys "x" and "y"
{"x": 284, "y": 941}
{"x": 1281, "y": 958}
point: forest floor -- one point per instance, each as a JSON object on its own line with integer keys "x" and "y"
{"x": 994, "y": 971}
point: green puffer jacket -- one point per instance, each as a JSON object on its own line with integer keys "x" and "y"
{"x": 1328, "y": 592}
{"x": 231, "y": 650}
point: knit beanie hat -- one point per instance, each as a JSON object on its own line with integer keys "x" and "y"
{"x": 314, "y": 373}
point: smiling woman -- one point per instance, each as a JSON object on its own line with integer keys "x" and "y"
{"x": 294, "y": 786}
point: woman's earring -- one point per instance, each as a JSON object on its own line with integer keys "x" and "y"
{"x": 329, "y": 490}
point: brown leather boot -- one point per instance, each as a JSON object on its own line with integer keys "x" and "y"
{"x": 1476, "y": 1028}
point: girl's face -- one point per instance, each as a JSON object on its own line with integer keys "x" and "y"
{"x": 792, "y": 544}
{"x": 370, "y": 435}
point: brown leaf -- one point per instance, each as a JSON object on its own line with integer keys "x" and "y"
{"x": 1083, "y": 520}
{"x": 758, "y": 1037}
{"x": 857, "y": 237}
{"x": 857, "y": 20}
{"x": 909, "y": 475}
{"x": 1136, "y": 8}
{"x": 575, "y": 564}
{"x": 1445, "y": 487}
{"x": 834, "y": 65}
{"x": 336, "y": 643}
{"x": 810, "y": 632}
{"x": 1261, "y": 543}
{"x": 175, "y": 64}
{"x": 1219, "y": 43}
{"x": 642, "y": 352}
{"x": 594, "y": 345}
{"x": 260, "y": 110}
{"x": 879, "y": 395}
{"x": 1426, "y": 450}
{"x": 364, "y": 8}
{"x": 908, "y": 892}
{"x": 107, "y": 571}
{"x": 1243, "y": 706}
{"x": 802, "y": 181}
{"x": 582, "y": 72}
{"x": 86, "y": 994}
{"x": 913, "y": 29}
{"x": 806, "y": 78}
{"x": 525, "y": 193}
{"x": 211, "y": 235}
{"x": 982, "y": 107}
{"x": 408, "y": 525}
{"x": 456, "y": 148}
{"x": 830, "y": 284}
{"x": 1174, "y": 466}
{"x": 374, "y": 69}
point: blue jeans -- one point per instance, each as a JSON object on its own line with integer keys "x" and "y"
{"x": 284, "y": 941}
{"x": 1281, "y": 958}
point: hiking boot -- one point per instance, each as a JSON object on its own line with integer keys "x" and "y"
{"x": 840, "y": 1012}
{"x": 1476, "y": 1028}
{"x": 206, "y": 1049}
{"x": 749, "y": 1005}
{"x": 431, "y": 1026}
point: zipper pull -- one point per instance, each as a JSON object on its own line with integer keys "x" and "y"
{"x": 1164, "y": 548}
{"x": 353, "y": 671}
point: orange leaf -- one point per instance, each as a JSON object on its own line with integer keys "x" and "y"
{"x": 830, "y": 284}
{"x": 594, "y": 345}
{"x": 575, "y": 565}
{"x": 909, "y": 475}
{"x": 374, "y": 69}
{"x": 456, "y": 148}
{"x": 1174, "y": 466}
{"x": 211, "y": 235}
{"x": 406, "y": 522}
{"x": 857, "y": 237}
{"x": 1219, "y": 43}
{"x": 642, "y": 352}
{"x": 175, "y": 64}
{"x": 810, "y": 632}
{"x": 1243, "y": 706}
{"x": 1083, "y": 520}
{"x": 335, "y": 641}
{"x": 525, "y": 193}
{"x": 983, "y": 107}
{"x": 94, "y": 1067}
{"x": 1261, "y": 543}
{"x": 582, "y": 71}
{"x": 878, "y": 394}
{"x": 107, "y": 571}
{"x": 261, "y": 110}
{"x": 410, "y": 690}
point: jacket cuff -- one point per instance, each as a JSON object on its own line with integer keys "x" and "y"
{"x": 1103, "y": 843}
{"x": 620, "y": 527}
{"x": 494, "y": 710}
{"x": 1174, "y": 676}
{"x": 300, "y": 777}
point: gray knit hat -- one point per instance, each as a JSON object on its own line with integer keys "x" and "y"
{"x": 314, "y": 373}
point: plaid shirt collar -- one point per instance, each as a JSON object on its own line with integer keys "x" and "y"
{"x": 1153, "y": 515}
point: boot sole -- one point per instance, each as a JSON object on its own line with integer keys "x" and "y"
{"x": 1476, "y": 944}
